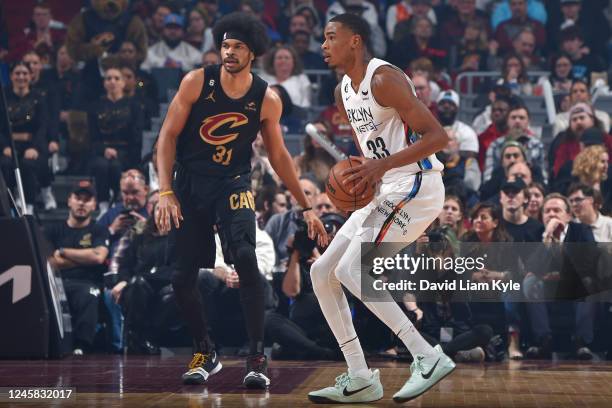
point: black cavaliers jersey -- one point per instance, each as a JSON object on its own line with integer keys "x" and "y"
{"x": 217, "y": 138}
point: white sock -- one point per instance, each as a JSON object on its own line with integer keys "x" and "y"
{"x": 415, "y": 343}
{"x": 353, "y": 354}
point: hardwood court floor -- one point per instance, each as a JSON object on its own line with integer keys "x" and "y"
{"x": 114, "y": 381}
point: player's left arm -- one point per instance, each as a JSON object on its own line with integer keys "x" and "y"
{"x": 391, "y": 89}
{"x": 282, "y": 163}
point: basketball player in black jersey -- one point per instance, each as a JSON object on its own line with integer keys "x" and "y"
{"x": 206, "y": 139}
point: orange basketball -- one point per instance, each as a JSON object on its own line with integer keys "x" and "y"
{"x": 339, "y": 194}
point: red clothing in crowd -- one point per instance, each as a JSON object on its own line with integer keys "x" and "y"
{"x": 569, "y": 150}
{"x": 508, "y": 29}
{"x": 484, "y": 140}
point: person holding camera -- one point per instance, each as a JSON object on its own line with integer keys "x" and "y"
{"x": 305, "y": 334}
{"x": 144, "y": 285}
{"x": 118, "y": 220}
{"x": 80, "y": 249}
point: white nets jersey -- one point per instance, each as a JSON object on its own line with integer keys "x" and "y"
{"x": 380, "y": 130}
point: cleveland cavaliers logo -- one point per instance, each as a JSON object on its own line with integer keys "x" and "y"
{"x": 212, "y": 123}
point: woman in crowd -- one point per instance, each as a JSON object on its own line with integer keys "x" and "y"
{"x": 472, "y": 48}
{"x": 487, "y": 227}
{"x": 115, "y": 129}
{"x": 314, "y": 159}
{"x": 415, "y": 40}
{"x": 537, "y": 192}
{"x": 452, "y": 214}
{"x": 561, "y": 77}
{"x": 27, "y": 111}
{"x": 514, "y": 75}
{"x": 197, "y": 32}
{"x": 282, "y": 66}
{"x": 591, "y": 168}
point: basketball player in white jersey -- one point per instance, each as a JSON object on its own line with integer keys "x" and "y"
{"x": 397, "y": 137}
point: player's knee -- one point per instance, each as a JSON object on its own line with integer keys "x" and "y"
{"x": 318, "y": 273}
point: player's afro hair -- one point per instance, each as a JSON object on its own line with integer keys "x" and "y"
{"x": 247, "y": 24}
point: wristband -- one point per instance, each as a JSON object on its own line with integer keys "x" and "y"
{"x": 166, "y": 193}
{"x": 306, "y": 209}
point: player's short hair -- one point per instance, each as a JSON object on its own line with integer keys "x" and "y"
{"x": 357, "y": 24}
{"x": 250, "y": 27}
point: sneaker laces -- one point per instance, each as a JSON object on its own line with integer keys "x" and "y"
{"x": 342, "y": 380}
{"x": 417, "y": 365}
{"x": 199, "y": 360}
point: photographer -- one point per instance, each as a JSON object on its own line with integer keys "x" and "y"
{"x": 305, "y": 334}
{"x": 145, "y": 287}
{"x": 445, "y": 321}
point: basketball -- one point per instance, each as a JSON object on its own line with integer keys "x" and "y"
{"x": 339, "y": 194}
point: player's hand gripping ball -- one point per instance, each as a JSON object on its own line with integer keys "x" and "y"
{"x": 339, "y": 193}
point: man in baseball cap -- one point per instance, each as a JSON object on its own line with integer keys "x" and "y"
{"x": 448, "y": 107}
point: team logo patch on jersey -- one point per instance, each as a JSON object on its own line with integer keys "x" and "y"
{"x": 213, "y": 123}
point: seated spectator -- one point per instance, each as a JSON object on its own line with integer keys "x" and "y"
{"x": 514, "y": 75}
{"x": 566, "y": 144}
{"x": 27, "y": 112}
{"x": 593, "y": 26}
{"x": 40, "y": 33}
{"x": 559, "y": 228}
{"x": 198, "y": 34}
{"x": 403, "y": 10}
{"x": 423, "y": 92}
{"x": 135, "y": 91}
{"x": 472, "y": 48}
{"x": 584, "y": 62}
{"x": 523, "y": 45}
{"x": 144, "y": 80}
{"x": 281, "y": 226}
{"x": 43, "y": 85}
{"x": 366, "y": 10}
{"x": 80, "y": 249}
{"x": 498, "y": 126}
{"x": 537, "y": 192}
{"x": 155, "y": 24}
{"x": 579, "y": 92}
{"x": 144, "y": 283}
{"x": 448, "y": 108}
{"x": 283, "y": 66}
{"x": 452, "y": 214}
{"x": 257, "y": 9}
{"x": 115, "y": 129}
{"x": 586, "y": 202}
{"x": 314, "y": 159}
{"x": 424, "y": 66}
{"x": 591, "y": 168}
{"x": 503, "y": 11}
{"x": 172, "y": 51}
{"x": 304, "y": 334}
{"x": 482, "y": 121}
{"x": 311, "y": 60}
{"x": 268, "y": 202}
{"x": 514, "y": 163}
{"x": 513, "y": 198}
{"x": 518, "y": 130}
{"x": 461, "y": 173}
{"x": 66, "y": 78}
{"x": 416, "y": 38}
{"x": 299, "y": 23}
{"x": 211, "y": 57}
{"x": 513, "y": 24}
{"x": 561, "y": 75}
{"x": 465, "y": 15}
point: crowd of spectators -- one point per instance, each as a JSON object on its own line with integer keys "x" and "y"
{"x": 505, "y": 182}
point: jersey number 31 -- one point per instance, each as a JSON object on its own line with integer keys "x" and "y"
{"x": 223, "y": 155}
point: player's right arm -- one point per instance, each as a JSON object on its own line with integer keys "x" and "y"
{"x": 340, "y": 105}
{"x": 178, "y": 112}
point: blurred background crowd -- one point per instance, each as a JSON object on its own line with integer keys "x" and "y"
{"x": 521, "y": 87}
